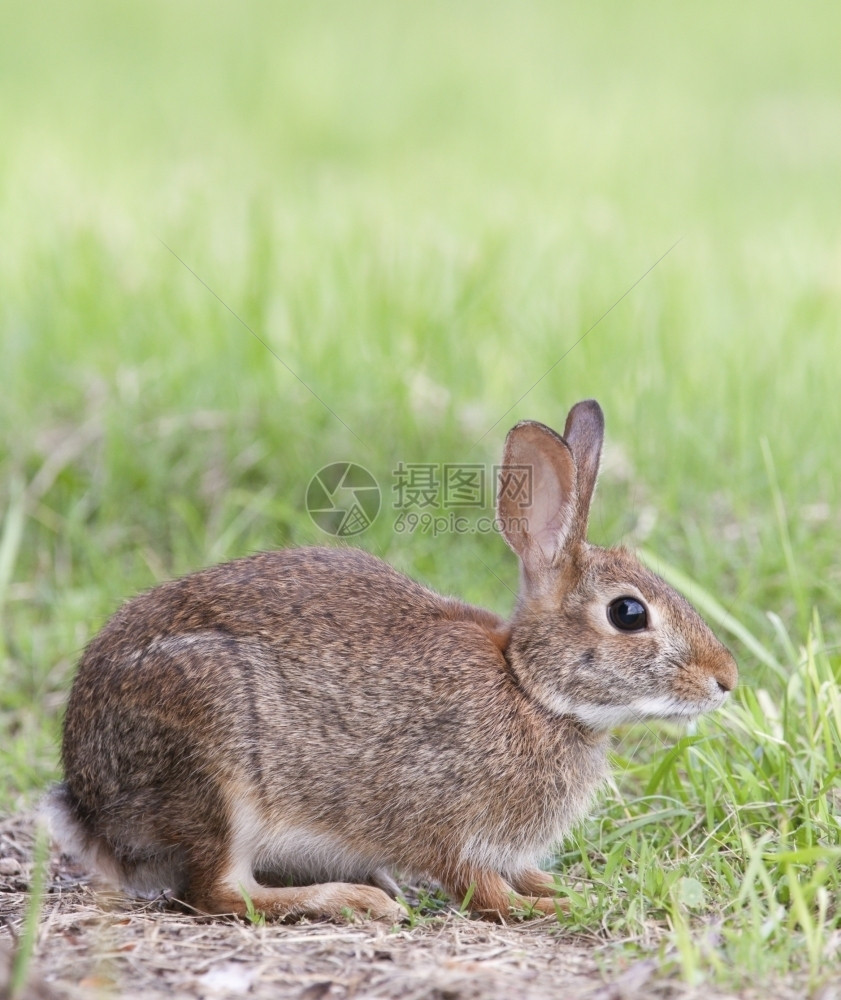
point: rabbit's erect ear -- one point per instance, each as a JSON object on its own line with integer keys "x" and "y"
{"x": 537, "y": 495}
{"x": 584, "y": 433}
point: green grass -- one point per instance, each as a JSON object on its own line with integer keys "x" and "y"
{"x": 421, "y": 208}
{"x": 25, "y": 944}
{"x": 252, "y": 914}
{"x": 730, "y": 836}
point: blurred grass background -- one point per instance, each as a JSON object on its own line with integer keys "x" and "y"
{"x": 420, "y": 207}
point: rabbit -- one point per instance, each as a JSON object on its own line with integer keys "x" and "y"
{"x": 291, "y": 730}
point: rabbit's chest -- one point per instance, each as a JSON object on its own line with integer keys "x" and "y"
{"x": 534, "y": 814}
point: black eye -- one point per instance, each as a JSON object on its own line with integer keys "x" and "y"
{"x": 627, "y": 614}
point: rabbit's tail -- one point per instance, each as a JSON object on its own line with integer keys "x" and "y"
{"x": 60, "y": 812}
{"x": 144, "y": 870}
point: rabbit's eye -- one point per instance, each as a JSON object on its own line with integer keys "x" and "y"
{"x": 627, "y": 614}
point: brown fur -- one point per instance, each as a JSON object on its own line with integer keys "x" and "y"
{"x": 298, "y": 724}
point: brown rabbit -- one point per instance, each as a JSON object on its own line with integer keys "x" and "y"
{"x": 297, "y": 725}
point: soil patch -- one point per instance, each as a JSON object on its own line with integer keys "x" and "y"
{"x": 90, "y": 944}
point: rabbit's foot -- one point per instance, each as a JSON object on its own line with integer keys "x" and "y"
{"x": 340, "y": 901}
{"x": 534, "y": 885}
{"x": 534, "y": 882}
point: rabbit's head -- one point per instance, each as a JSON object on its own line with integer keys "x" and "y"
{"x": 595, "y": 635}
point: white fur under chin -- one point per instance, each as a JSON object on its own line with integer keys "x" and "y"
{"x": 601, "y": 718}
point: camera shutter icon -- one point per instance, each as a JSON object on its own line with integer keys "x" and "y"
{"x": 343, "y": 499}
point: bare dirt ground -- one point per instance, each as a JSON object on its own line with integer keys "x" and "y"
{"x": 89, "y": 945}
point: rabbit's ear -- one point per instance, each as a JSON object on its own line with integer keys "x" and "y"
{"x": 537, "y": 495}
{"x": 584, "y": 433}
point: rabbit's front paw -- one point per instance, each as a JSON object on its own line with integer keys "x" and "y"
{"x": 539, "y": 906}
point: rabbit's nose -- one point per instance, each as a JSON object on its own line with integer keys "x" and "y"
{"x": 725, "y": 673}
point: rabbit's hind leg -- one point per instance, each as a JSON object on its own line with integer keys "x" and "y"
{"x": 338, "y": 901}
{"x": 221, "y": 880}
{"x": 258, "y": 840}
